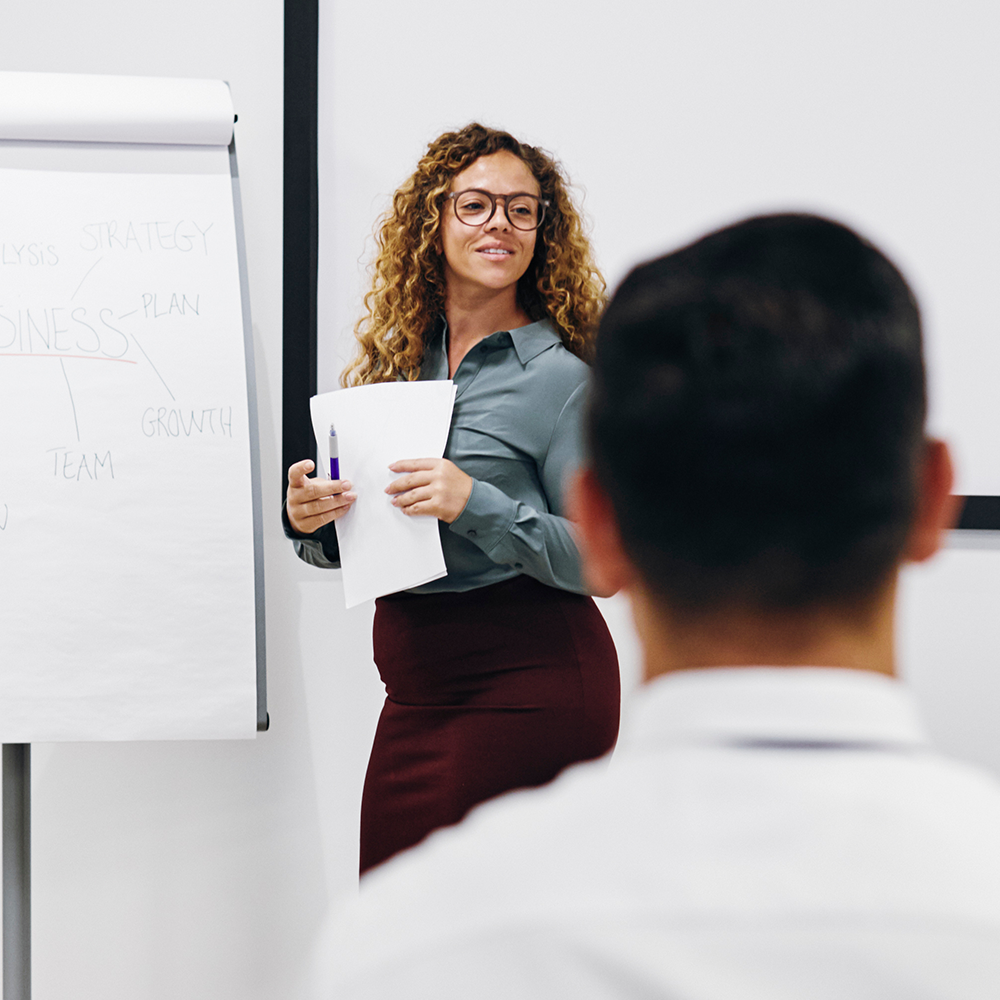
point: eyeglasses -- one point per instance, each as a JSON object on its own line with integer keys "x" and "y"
{"x": 476, "y": 208}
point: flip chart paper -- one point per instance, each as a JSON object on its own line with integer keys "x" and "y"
{"x": 127, "y": 601}
{"x": 382, "y": 550}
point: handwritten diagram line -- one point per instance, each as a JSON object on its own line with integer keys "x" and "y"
{"x": 6, "y": 517}
{"x": 87, "y": 275}
{"x": 71, "y": 402}
{"x": 151, "y": 365}
{"x": 126, "y": 315}
{"x": 78, "y": 357}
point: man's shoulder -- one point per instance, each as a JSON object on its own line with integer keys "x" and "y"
{"x": 630, "y": 857}
{"x": 504, "y": 846}
{"x": 682, "y": 829}
{"x": 511, "y": 860}
{"x": 651, "y": 825}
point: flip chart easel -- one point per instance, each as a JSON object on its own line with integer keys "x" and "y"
{"x": 131, "y": 609}
{"x": 16, "y": 871}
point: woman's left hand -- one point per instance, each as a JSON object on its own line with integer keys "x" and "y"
{"x": 431, "y": 486}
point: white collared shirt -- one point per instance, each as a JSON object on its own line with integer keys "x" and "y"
{"x": 760, "y": 833}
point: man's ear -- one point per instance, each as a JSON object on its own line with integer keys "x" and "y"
{"x": 937, "y": 509}
{"x": 606, "y": 568}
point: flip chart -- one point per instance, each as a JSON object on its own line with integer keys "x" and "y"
{"x": 129, "y": 539}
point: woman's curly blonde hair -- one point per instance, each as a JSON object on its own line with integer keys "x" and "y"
{"x": 562, "y": 282}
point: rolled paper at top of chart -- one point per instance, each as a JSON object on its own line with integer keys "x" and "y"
{"x": 78, "y": 107}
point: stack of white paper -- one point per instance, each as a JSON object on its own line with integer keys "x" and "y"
{"x": 382, "y": 550}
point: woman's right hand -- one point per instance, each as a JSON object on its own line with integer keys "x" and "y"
{"x": 311, "y": 503}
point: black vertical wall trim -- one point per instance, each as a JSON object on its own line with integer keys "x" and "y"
{"x": 300, "y": 230}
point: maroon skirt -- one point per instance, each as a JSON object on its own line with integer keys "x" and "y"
{"x": 486, "y": 691}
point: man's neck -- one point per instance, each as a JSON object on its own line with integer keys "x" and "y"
{"x": 858, "y": 638}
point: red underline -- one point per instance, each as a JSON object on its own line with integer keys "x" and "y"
{"x": 81, "y": 357}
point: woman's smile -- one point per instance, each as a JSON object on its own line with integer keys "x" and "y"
{"x": 497, "y": 251}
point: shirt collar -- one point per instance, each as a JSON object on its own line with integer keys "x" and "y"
{"x": 529, "y": 341}
{"x": 773, "y": 706}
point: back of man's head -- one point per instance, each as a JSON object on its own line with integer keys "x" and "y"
{"x": 757, "y": 417}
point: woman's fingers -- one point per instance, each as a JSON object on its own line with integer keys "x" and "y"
{"x": 310, "y": 515}
{"x": 410, "y": 482}
{"x": 406, "y": 500}
{"x": 336, "y": 503}
{"x": 311, "y": 503}
{"x": 415, "y": 464}
{"x": 418, "y": 472}
{"x": 298, "y": 473}
{"x": 431, "y": 486}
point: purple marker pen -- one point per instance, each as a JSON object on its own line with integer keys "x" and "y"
{"x": 334, "y": 455}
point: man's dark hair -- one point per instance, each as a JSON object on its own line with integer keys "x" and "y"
{"x": 757, "y": 416}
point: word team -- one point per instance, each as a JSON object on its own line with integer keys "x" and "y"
{"x": 73, "y": 465}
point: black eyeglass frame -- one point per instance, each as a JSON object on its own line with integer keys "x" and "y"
{"x": 543, "y": 204}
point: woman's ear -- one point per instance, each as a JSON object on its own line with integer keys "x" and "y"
{"x": 937, "y": 509}
{"x": 606, "y": 567}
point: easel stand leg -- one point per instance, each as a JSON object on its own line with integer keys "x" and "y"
{"x": 17, "y": 871}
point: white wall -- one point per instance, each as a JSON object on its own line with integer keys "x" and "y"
{"x": 676, "y": 117}
{"x": 200, "y": 870}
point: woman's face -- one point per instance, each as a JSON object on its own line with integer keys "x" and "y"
{"x": 493, "y": 255}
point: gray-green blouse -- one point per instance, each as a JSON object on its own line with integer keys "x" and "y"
{"x": 516, "y": 429}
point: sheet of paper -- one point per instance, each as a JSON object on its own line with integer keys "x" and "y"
{"x": 126, "y": 603}
{"x": 382, "y": 550}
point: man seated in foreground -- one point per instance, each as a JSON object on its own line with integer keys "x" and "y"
{"x": 774, "y": 823}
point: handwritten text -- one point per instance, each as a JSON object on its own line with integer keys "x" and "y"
{"x": 30, "y": 254}
{"x": 163, "y": 422}
{"x": 77, "y": 465}
{"x": 146, "y": 237}
{"x": 61, "y": 329}
{"x": 154, "y": 307}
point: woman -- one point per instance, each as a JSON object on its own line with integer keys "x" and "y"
{"x": 502, "y": 673}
